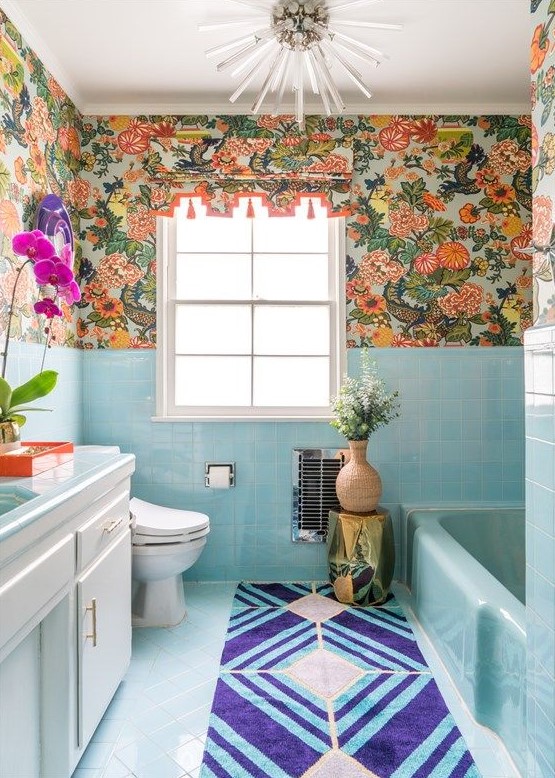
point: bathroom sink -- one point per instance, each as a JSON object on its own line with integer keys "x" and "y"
{"x": 13, "y": 496}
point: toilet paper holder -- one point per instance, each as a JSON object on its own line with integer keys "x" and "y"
{"x": 220, "y": 466}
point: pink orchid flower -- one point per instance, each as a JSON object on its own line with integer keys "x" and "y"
{"x": 33, "y": 245}
{"x": 71, "y": 293}
{"x": 48, "y": 307}
{"x": 66, "y": 255}
{"x": 54, "y": 272}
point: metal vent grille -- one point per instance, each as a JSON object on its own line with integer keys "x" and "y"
{"x": 314, "y": 474}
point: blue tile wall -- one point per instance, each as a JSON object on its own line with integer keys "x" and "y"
{"x": 460, "y": 438}
{"x": 64, "y": 420}
{"x": 540, "y": 548}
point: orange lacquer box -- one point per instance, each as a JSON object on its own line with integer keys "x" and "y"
{"x": 35, "y": 457}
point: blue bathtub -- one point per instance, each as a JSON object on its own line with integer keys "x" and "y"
{"x": 466, "y": 572}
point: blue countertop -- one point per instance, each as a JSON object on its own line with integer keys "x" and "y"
{"x": 47, "y": 490}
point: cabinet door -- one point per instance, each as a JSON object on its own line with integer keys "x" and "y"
{"x": 104, "y": 619}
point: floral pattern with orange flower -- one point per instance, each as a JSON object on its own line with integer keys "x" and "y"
{"x": 426, "y": 263}
{"x": 79, "y": 192}
{"x": 141, "y": 223}
{"x": 469, "y": 213}
{"x": 10, "y": 222}
{"x": 453, "y": 255}
{"x": 109, "y": 307}
{"x": 506, "y": 158}
{"x": 500, "y": 193}
{"x": 540, "y": 47}
{"x": 467, "y": 301}
{"x": 94, "y": 292}
{"x": 371, "y": 304}
{"x": 404, "y": 221}
{"x": 68, "y": 139}
{"x": 424, "y": 131}
{"x": 115, "y": 271}
{"x": 377, "y": 267}
{"x": 542, "y": 223}
{"x": 433, "y": 202}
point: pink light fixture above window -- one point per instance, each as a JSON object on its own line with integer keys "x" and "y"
{"x": 295, "y": 45}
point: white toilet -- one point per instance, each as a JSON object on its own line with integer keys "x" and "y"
{"x": 166, "y": 542}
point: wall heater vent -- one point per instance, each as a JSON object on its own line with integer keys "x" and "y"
{"x": 314, "y": 474}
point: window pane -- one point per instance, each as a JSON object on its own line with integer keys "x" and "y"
{"x": 212, "y": 381}
{"x": 213, "y": 277}
{"x": 290, "y": 234}
{"x": 290, "y": 276}
{"x": 213, "y": 329}
{"x": 291, "y": 381}
{"x": 213, "y": 233}
{"x": 291, "y": 329}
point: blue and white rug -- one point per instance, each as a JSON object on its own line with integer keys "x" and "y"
{"x": 311, "y": 687}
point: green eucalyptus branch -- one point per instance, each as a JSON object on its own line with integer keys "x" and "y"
{"x": 363, "y": 405}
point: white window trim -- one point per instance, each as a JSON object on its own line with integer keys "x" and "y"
{"x": 165, "y": 245}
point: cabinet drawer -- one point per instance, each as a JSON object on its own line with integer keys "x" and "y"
{"x": 111, "y": 519}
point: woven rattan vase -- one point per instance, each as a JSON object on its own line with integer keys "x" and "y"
{"x": 358, "y": 485}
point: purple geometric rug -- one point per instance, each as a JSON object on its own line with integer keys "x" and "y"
{"x": 314, "y": 688}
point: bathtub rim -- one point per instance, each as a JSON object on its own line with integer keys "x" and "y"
{"x": 490, "y": 600}
{"x": 405, "y": 511}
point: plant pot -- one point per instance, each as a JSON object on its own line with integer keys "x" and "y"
{"x": 9, "y": 436}
{"x": 358, "y": 485}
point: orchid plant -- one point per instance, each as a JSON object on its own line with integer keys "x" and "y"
{"x": 54, "y": 276}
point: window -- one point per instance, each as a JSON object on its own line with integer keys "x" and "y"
{"x": 249, "y": 318}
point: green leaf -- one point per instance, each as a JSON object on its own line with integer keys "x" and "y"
{"x": 132, "y": 247}
{"x": 413, "y": 191}
{"x": 439, "y": 230}
{"x": 116, "y": 246}
{"x": 455, "y": 277}
{"x": 395, "y": 244}
{"x": 38, "y": 386}
{"x": 459, "y": 332}
{"x": 26, "y": 410}
{"x": 551, "y": 7}
{"x": 5, "y": 395}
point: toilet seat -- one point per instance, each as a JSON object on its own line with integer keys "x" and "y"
{"x": 158, "y": 525}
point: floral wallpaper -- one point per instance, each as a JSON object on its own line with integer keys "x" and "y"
{"x": 39, "y": 154}
{"x": 439, "y": 212}
{"x": 543, "y": 158}
{"x": 438, "y": 207}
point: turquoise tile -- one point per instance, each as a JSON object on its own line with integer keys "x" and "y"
{"x": 441, "y": 422}
{"x": 451, "y": 491}
{"x": 430, "y": 490}
{"x": 450, "y": 409}
{"x": 450, "y": 429}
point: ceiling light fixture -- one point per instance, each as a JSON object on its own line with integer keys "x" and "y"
{"x": 296, "y": 43}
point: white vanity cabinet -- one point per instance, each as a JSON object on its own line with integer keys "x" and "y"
{"x": 103, "y": 605}
{"x": 65, "y": 619}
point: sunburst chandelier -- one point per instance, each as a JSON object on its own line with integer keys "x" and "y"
{"x": 296, "y": 44}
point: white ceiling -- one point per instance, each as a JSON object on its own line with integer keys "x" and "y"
{"x": 147, "y": 56}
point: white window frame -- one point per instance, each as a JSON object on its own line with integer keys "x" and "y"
{"x": 165, "y": 348}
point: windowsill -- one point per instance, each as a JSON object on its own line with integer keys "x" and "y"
{"x": 177, "y": 419}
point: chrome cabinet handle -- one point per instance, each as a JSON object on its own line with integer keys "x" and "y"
{"x": 111, "y": 525}
{"x": 92, "y": 609}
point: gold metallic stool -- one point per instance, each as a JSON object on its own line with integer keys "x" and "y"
{"x": 361, "y": 556}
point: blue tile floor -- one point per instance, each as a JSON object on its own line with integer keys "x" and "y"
{"x": 157, "y": 722}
